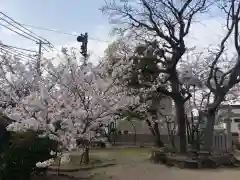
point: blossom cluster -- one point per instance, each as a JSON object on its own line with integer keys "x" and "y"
{"x": 45, "y": 164}
{"x": 65, "y": 102}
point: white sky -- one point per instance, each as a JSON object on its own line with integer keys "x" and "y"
{"x": 202, "y": 35}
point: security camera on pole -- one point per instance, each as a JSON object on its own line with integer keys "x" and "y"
{"x": 83, "y": 38}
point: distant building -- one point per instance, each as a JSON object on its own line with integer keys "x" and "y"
{"x": 140, "y": 126}
{"x": 234, "y": 116}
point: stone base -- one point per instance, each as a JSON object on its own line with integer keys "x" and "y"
{"x": 108, "y": 145}
{"x": 200, "y": 160}
{"x": 86, "y": 167}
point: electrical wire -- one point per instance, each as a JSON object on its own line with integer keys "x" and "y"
{"x": 18, "y": 33}
{"x": 16, "y": 52}
{"x": 59, "y": 32}
{"x": 28, "y": 34}
{"x": 23, "y": 31}
{"x": 13, "y": 47}
{"x": 21, "y": 56}
{"x": 14, "y": 26}
{"x": 29, "y": 31}
{"x": 52, "y": 30}
{"x": 31, "y": 35}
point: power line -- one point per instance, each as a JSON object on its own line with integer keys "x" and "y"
{"x": 17, "y": 55}
{"x": 19, "y": 24}
{"x": 59, "y": 32}
{"x": 22, "y": 35}
{"x": 17, "y": 32}
{"x": 17, "y": 52}
{"x": 52, "y": 30}
{"x": 13, "y": 47}
{"x": 23, "y": 31}
{"x": 14, "y": 26}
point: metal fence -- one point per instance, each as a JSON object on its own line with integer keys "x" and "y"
{"x": 219, "y": 140}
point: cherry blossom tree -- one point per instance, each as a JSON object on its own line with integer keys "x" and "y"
{"x": 229, "y": 77}
{"x": 135, "y": 70}
{"x": 66, "y": 101}
{"x": 211, "y": 86}
{"x": 169, "y": 22}
{"x": 17, "y": 80}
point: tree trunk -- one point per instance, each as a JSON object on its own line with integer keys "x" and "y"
{"x": 86, "y": 155}
{"x": 135, "y": 132}
{"x": 209, "y": 128}
{"x": 158, "y": 141}
{"x": 156, "y": 133}
{"x": 209, "y": 131}
{"x": 181, "y": 121}
{"x": 150, "y": 127}
{"x": 109, "y": 136}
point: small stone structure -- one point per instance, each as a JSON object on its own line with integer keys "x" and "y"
{"x": 194, "y": 160}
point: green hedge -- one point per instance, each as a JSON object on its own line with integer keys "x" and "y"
{"x": 4, "y": 134}
{"x": 20, "y": 153}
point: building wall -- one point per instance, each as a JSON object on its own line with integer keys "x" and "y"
{"x": 140, "y": 126}
{"x": 165, "y": 108}
{"x": 234, "y": 116}
{"x": 141, "y": 139}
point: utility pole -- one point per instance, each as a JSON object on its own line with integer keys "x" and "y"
{"x": 83, "y": 38}
{"x": 40, "y": 43}
{"x": 39, "y": 57}
{"x": 38, "y": 65}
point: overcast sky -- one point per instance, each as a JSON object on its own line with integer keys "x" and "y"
{"x": 79, "y": 16}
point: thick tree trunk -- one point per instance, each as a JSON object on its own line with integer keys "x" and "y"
{"x": 150, "y": 127}
{"x": 209, "y": 131}
{"x": 109, "y": 136}
{"x": 156, "y": 133}
{"x": 181, "y": 121}
{"x": 86, "y": 157}
{"x": 158, "y": 140}
{"x": 135, "y": 132}
{"x": 209, "y": 128}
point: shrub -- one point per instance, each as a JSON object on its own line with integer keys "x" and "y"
{"x": 4, "y": 138}
{"x": 4, "y": 134}
{"x": 24, "y": 150}
{"x": 170, "y": 149}
{"x": 158, "y": 157}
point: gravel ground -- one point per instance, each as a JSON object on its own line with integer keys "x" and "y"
{"x": 147, "y": 171}
{"x": 137, "y": 167}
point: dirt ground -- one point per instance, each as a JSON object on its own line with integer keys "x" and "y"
{"x": 139, "y": 168}
{"x": 133, "y": 165}
{"x": 147, "y": 171}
